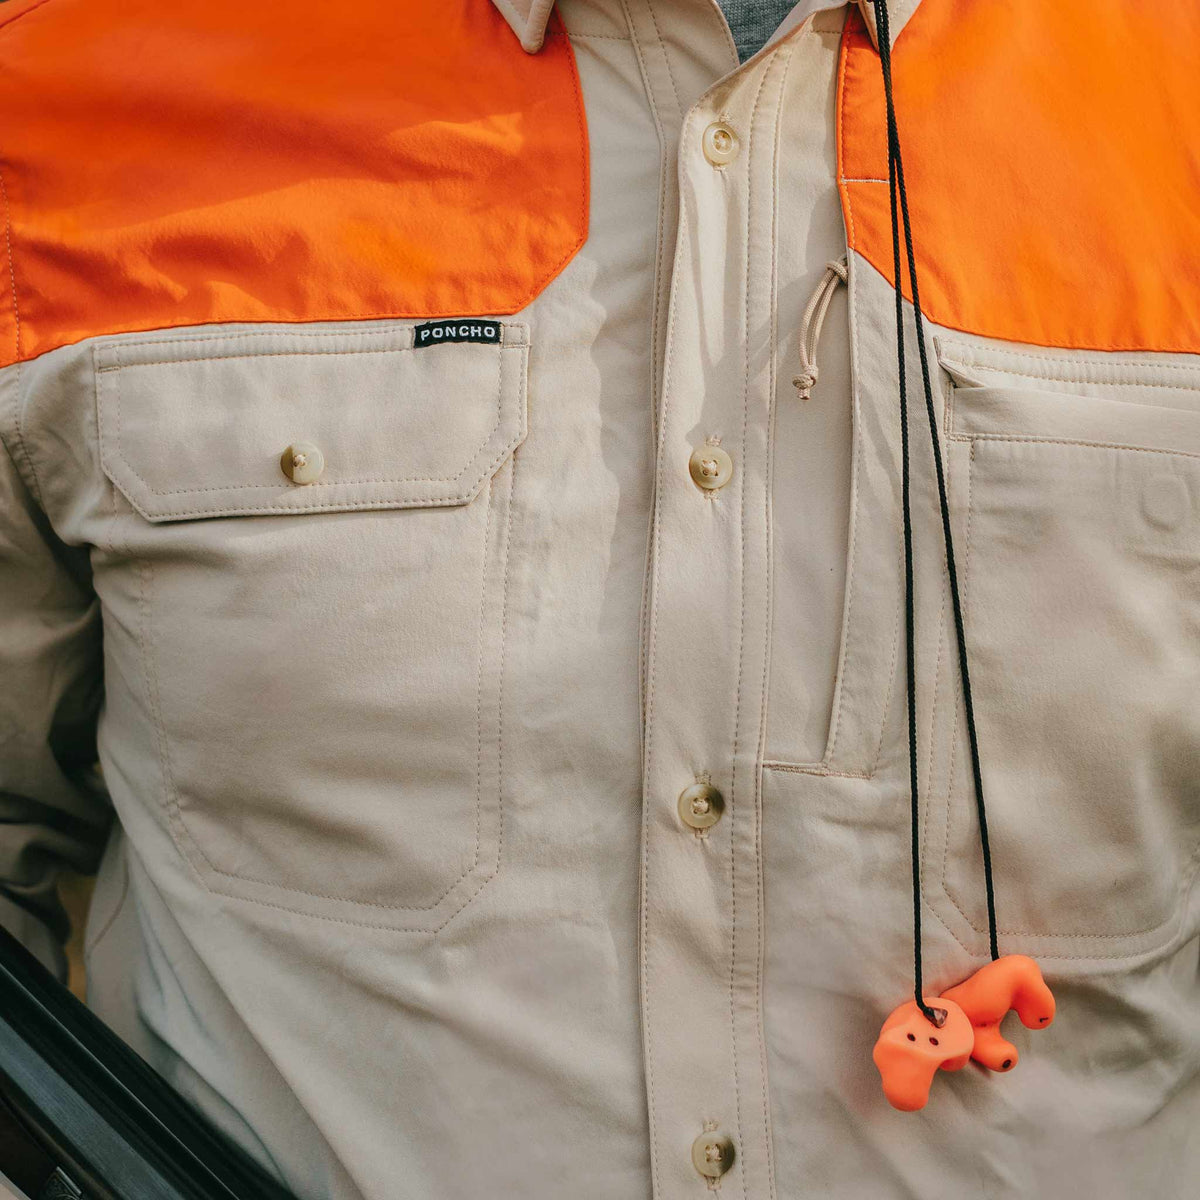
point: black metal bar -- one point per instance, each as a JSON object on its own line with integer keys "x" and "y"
{"x": 117, "y": 1128}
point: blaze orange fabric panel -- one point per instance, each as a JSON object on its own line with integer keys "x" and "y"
{"x": 168, "y": 164}
{"x": 1052, "y": 156}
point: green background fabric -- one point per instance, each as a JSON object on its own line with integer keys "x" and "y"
{"x": 753, "y": 22}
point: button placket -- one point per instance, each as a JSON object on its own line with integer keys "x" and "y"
{"x": 706, "y": 659}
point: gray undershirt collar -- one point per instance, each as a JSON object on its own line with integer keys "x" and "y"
{"x": 752, "y": 22}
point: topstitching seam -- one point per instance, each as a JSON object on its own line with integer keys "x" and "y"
{"x": 741, "y": 655}
{"x": 772, "y": 382}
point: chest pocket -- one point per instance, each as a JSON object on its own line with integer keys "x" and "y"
{"x": 323, "y": 652}
{"x": 1076, "y": 482}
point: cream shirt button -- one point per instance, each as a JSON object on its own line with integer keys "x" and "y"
{"x": 711, "y": 468}
{"x": 302, "y": 462}
{"x": 720, "y": 144}
{"x": 701, "y": 806}
{"x": 712, "y": 1154}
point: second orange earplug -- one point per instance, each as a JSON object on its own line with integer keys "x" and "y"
{"x": 1010, "y": 982}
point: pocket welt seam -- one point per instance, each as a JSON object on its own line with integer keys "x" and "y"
{"x": 1007, "y": 437}
{"x": 291, "y": 332}
{"x": 1094, "y": 370}
{"x": 1103, "y": 380}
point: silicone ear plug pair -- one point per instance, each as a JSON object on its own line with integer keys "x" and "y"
{"x": 911, "y": 1050}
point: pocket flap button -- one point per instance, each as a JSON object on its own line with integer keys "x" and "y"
{"x": 302, "y": 462}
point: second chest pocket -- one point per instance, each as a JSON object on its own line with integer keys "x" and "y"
{"x": 324, "y": 652}
{"x": 1077, "y": 484}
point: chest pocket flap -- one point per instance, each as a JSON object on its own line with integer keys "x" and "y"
{"x": 196, "y": 427}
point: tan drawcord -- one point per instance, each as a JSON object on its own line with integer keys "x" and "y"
{"x": 810, "y": 326}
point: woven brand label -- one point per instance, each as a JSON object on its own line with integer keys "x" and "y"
{"x": 462, "y": 329}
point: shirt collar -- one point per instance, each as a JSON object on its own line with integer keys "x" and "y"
{"x": 528, "y": 18}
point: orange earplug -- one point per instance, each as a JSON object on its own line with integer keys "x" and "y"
{"x": 910, "y": 1050}
{"x": 1012, "y": 981}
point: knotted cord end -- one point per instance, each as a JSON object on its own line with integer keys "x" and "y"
{"x": 805, "y": 382}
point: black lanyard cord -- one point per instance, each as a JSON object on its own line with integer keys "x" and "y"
{"x": 898, "y": 195}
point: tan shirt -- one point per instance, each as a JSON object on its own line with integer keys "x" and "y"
{"x": 403, "y": 889}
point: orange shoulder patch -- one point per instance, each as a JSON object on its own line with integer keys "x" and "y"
{"x": 209, "y": 160}
{"x": 1052, "y": 156}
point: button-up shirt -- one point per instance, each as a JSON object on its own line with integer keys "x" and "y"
{"x": 480, "y": 573}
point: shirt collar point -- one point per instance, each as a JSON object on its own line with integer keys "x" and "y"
{"x": 899, "y": 12}
{"x": 528, "y": 19}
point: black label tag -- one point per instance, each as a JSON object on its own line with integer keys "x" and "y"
{"x": 462, "y": 329}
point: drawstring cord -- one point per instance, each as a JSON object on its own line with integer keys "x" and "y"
{"x": 899, "y": 195}
{"x": 811, "y": 323}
